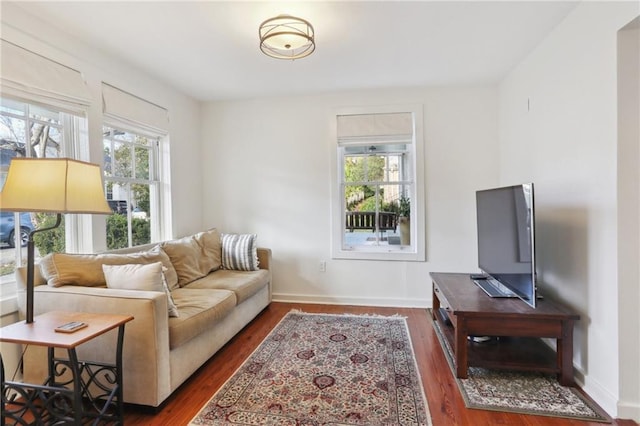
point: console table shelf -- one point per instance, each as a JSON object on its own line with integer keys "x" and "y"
{"x": 518, "y": 353}
{"x": 462, "y": 309}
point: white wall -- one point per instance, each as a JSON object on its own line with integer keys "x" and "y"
{"x": 558, "y": 127}
{"x": 629, "y": 215}
{"x": 266, "y": 165}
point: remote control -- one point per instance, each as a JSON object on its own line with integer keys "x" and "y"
{"x": 70, "y": 327}
{"x": 478, "y": 276}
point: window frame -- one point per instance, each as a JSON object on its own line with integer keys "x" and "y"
{"x": 155, "y": 179}
{"x": 414, "y": 252}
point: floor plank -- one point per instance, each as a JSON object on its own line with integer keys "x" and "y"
{"x": 445, "y": 403}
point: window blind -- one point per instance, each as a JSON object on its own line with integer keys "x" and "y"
{"x": 32, "y": 77}
{"x": 361, "y": 129}
{"x": 133, "y": 111}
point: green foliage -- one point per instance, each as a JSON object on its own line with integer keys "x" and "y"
{"x": 368, "y": 205}
{"x": 141, "y": 230}
{"x": 52, "y": 241}
{"x": 141, "y": 196}
{"x": 404, "y": 207}
{"x": 117, "y": 231}
{"x": 374, "y": 168}
{"x": 123, "y": 162}
{"x": 363, "y": 169}
{"x": 353, "y": 169}
{"x": 390, "y": 207}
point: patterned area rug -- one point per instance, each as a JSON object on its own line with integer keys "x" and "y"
{"x": 521, "y": 392}
{"x": 321, "y": 369}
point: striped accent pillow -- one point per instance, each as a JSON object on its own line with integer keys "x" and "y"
{"x": 239, "y": 252}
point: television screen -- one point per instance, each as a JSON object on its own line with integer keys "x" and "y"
{"x": 506, "y": 236}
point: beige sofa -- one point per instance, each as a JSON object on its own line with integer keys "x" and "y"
{"x": 160, "y": 352}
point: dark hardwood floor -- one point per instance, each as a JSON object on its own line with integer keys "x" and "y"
{"x": 445, "y": 403}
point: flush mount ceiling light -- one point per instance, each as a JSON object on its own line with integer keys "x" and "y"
{"x": 287, "y": 37}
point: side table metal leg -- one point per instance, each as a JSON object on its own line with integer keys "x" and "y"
{"x": 2, "y": 406}
{"x": 77, "y": 386}
{"x": 51, "y": 379}
{"x": 119, "y": 392}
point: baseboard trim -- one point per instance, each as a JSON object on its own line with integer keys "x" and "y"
{"x": 601, "y": 395}
{"x": 629, "y": 410}
{"x": 358, "y": 301}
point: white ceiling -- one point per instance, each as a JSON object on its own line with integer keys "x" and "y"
{"x": 209, "y": 50}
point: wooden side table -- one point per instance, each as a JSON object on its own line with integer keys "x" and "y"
{"x": 93, "y": 394}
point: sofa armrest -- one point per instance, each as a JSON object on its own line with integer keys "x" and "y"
{"x": 146, "y": 338}
{"x": 264, "y": 258}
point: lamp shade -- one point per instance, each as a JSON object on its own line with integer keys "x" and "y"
{"x": 54, "y": 185}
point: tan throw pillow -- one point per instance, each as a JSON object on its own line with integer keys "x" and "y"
{"x": 184, "y": 254}
{"x": 86, "y": 269}
{"x": 145, "y": 277}
{"x": 209, "y": 242}
{"x": 194, "y": 256}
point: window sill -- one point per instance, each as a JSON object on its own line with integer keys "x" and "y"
{"x": 382, "y": 254}
{"x": 9, "y": 305}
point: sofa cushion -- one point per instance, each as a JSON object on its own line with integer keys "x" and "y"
{"x": 146, "y": 277}
{"x": 199, "y": 309}
{"x": 239, "y": 252}
{"x": 243, "y": 283}
{"x": 211, "y": 246}
{"x": 194, "y": 256}
{"x": 86, "y": 269}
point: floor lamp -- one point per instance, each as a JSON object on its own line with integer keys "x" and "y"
{"x": 51, "y": 185}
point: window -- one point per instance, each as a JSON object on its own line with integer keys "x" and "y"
{"x": 29, "y": 130}
{"x": 378, "y": 184}
{"x": 132, "y": 186}
{"x": 136, "y": 169}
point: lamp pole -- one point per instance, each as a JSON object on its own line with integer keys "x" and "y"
{"x": 30, "y": 267}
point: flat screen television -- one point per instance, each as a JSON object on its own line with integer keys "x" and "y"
{"x": 506, "y": 242}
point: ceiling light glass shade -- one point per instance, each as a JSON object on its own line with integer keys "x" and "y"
{"x": 287, "y": 37}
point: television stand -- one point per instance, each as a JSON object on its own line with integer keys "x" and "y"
{"x": 519, "y": 328}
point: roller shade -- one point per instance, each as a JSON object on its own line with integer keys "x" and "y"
{"x": 368, "y": 128}
{"x": 29, "y": 76}
{"x": 132, "y": 110}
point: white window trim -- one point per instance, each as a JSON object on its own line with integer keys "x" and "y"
{"x": 417, "y": 252}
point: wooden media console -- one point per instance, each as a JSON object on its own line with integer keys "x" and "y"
{"x": 517, "y": 329}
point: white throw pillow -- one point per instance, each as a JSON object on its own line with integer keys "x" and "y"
{"x": 146, "y": 277}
